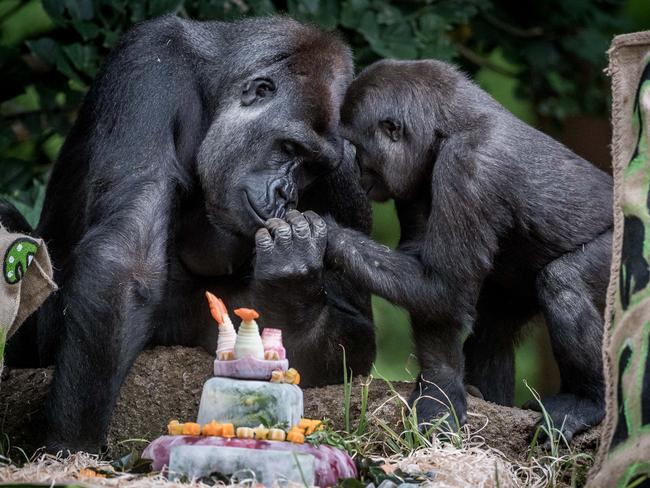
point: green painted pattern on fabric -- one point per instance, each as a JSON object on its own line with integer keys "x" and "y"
{"x": 626, "y": 397}
{"x": 638, "y": 173}
{"x": 3, "y": 340}
{"x": 17, "y": 258}
{"x": 634, "y": 416}
{"x": 636, "y": 187}
{"x": 630, "y": 477}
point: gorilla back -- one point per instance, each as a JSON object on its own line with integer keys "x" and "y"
{"x": 499, "y": 222}
{"x": 192, "y": 136}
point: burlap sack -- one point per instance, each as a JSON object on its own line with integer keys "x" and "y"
{"x": 624, "y": 456}
{"x": 25, "y": 283}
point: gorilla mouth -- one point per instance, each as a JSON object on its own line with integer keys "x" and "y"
{"x": 257, "y": 215}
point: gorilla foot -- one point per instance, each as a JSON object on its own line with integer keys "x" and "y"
{"x": 566, "y": 416}
{"x": 444, "y": 408}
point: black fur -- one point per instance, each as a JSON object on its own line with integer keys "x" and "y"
{"x": 499, "y": 222}
{"x": 192, "y": 136}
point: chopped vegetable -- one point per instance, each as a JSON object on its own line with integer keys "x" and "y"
{"x": 261, "y": 432}
{"x": 271, "y": 355}
{"x": 277, "y": 376}
{"x": 174, "y": 427}
{"x": 292, "y": 377}
{"x": 296, "y": 436}
{"x": 215, "y": 307}
{"x": 191, "y": 428}
{"x": 227, "y": 430}
{"x": 246, "y": 314}
{"x": 277, "y": 434}
{"x": 227, "y": 356}
{"x": 245, "y": 433}
{"x": 212, "y": 429}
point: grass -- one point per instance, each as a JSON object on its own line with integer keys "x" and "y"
{"x": 556, "y": 457}
{"x": 453, "y": 453}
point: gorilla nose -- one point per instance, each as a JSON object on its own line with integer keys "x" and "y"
{"x": 284, "y": 197}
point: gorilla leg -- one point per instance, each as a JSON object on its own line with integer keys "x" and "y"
{"x": 440, "y": 387}
{"x": 114, "y": 281}
{"x": 571, "y": 293}
{"x": 490, "y": 361}
{"x": 490, "y": 350}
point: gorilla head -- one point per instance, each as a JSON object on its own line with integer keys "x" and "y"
{"x": 395, "y": 114}
{"x": 276, "y": 127}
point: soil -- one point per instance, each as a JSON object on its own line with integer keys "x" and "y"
{"x": 166, "y": 383}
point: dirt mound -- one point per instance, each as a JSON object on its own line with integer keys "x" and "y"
{"x": 166, "y": 383}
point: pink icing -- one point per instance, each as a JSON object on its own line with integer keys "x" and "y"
{"x": 249, "y": 368}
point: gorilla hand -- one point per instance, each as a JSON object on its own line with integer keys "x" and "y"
{"x": 291, "y": 251}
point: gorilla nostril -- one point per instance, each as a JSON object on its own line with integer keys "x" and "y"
{"x": 282, "y": 193}
{"x": 286, "y": 192}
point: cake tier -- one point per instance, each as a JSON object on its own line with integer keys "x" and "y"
{"x": 249, "y": 368}
{"x": 247, "y": 403}
{"x": 330, "y": 464}
{"x": 196, "y": 462}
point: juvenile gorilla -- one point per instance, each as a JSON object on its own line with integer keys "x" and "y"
{"x": 193, "y": 136}
{"x": 498, "y": 221}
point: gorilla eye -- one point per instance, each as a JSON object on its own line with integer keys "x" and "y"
{"x": 289, "y": 148}
{"x": 257, "y": 89}
{"x": 392, "y": 128}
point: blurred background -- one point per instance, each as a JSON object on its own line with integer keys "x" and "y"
{"x": 543, "y": 60}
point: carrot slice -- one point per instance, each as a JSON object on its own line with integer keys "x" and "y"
{"x": 246, "y": 314}
{"x": 222, "y": 307}
{"x": 213, "y": 303}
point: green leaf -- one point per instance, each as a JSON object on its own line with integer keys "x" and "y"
{"x": 159, "y": 7}
{"x": 83, "y": 57}
{"x": 15, "y": 175}
{"x": 54, "y": 9}
{"x": 369, "y": 27}
{"x": 80, "y": 9}
{"x": 45, "y": 49}
{"x": 352, "y": 11}
{"x": 76, "y": 10}
{"x": 88, "y": 30}
{"x": 322, "y": 12}
{"x": 262, "y": 7}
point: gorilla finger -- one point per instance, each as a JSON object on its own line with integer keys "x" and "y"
{"x": 299, "y": 224}
{"x": 317, "y": 224}
{"x": 292, "y": 214}
{"x": 273, "y": 223}
{"x": 280, "y": 230}
{"x": 263, "y": 240}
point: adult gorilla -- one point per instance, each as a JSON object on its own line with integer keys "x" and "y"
{"x": 192, "y": 136}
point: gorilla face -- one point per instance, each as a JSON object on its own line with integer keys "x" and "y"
{"x": 392, "y": 123}
{"x": 276, "y": 133}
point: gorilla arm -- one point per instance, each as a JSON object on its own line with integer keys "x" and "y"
{"x": 319, "y": 309}
{"x": 439, "y": 277}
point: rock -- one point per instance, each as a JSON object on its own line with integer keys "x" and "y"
{"x": 166, "y": 383}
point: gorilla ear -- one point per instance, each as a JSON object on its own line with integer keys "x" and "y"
{"x": 392, "y": 128}
{"x": 257, "y": 89}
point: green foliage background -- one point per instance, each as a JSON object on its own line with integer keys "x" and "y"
{"x": 540, "y": 59}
